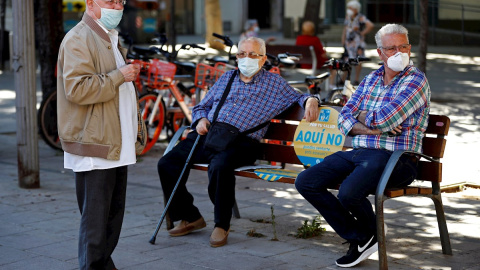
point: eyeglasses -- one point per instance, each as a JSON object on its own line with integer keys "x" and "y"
{"x": 112, "y": 2}
{"x": 393, "y": 49}
{"x": 250, "y": 55}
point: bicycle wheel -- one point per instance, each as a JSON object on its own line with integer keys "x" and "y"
{"x": 175, "y": 121}
{"x": 47, "y": 120}
{"x": 147, "y": 101}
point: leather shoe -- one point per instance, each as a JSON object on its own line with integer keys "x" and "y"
{"x": 219, "y": 237}
{"x": 185, "y": 227}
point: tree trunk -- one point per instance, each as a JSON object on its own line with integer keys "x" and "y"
{"x": 48, "y": 35}
{"x": 23, "y": 64}
{"x": 312, "y": 11}
{"x": 422, "y": 59}
{"x": 213, "y": 16}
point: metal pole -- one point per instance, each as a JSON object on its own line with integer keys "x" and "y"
{"x": 3, "y": 7}
{"x": 433, "y": 22}
{"x": 23, "y": 65}
{"x": 463, "y": 24}
{"x": 173, "y": 37}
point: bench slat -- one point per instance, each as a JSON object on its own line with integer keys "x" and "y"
{"x": 434, "y": 147}
{"x": 411, "y": 190}
{"x": 394, "y": 192}
{"x": 280, "y": 131}
{"x": 278, "y": 153}
{"x": 438, "y": 124}
{"x": 429, "y": 171}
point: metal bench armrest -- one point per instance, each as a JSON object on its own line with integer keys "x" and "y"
{"x": 175, "y": 138}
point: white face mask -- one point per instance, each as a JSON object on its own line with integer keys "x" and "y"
{"x": 398, "y": 61}
{"x": 349, "y": 12}
{"x": 248, "y": 66}
{"x": 110, "y": 18}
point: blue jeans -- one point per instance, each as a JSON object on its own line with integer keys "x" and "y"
{"x": 358, "y": 171}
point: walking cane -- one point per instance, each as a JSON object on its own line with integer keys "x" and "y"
{"x": 187, "y": 162}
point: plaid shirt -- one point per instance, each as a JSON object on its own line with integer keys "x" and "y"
{"x": 248, "y": 104}
{"x": 405, "y": 101}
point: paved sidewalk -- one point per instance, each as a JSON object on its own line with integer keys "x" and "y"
{"x": 39, "y": 227}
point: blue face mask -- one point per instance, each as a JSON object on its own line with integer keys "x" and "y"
{"x": 110, "y": 18}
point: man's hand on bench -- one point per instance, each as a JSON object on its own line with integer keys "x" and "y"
{"x": 311, "y": 109}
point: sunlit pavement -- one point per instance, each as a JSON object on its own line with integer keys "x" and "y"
{"x": 39, "y": 227}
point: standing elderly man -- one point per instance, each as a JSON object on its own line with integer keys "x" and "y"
{"x": 388, "y": 112}
{"x": 255, "y": 97}
{"x": 100, "y": 127}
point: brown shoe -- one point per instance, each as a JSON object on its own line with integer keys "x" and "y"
{"x": 185, "y": 227}
{"x": 219, "y": 237}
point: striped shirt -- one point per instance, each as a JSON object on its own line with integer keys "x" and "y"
{"x": 248, "y": 104}
{"x": 405, "y": 101}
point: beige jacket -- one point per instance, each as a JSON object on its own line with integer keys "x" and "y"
{"x": 87, "y": 94}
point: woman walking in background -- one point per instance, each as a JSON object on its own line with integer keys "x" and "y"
{"x": 353, "y": 37}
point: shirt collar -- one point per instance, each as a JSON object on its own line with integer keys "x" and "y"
{"x": 256, "y": 78}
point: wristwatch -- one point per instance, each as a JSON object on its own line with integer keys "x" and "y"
{"x": 315, "y": 97}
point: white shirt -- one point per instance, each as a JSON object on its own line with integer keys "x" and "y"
{"x": 128, "y": 124}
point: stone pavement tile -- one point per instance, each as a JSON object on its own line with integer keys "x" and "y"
{"x": 10, "y": 255}
{"x": 7, "y": 228}
{"x": 58, "y": 203}
{"x": 30, "y": 239}
{"x": 62, "y": 251}
{"x": 39, "y": 263}
{"x": 437, "y": 260}
{"x": 261, "y": 247}
{"x": 26, "y": 217}
{"x": 65, "y": 226}
{"x": 240, "y": 261}
{"x": 129, "y": 254}
{"x": 188, "y": 252}
{"x": 411, "y": 247}
{"x": 134, "y": 218}
{"x": 165, "y": 264}
{"x": 8, "y": 209}
{"x": 310, "y": 256}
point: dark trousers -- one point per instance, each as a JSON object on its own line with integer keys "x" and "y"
{"x": 358, "y": 171}
{"x": 221, "y": 187}
{"x": 101, "y": 200}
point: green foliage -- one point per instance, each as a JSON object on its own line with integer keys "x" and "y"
{"x": 310, "y": 230}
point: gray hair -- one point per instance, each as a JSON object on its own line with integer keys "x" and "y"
{"x": 389, "y": 29}
{"x": 354, "y": 4}
{"x": 257, "y": 40}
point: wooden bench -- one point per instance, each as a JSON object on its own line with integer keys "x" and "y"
{"x": 307, "y": 52}
{"x": 430, "y": 169}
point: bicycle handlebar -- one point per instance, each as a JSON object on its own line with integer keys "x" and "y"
{"x": 192, "y": 45}
{"x": 226, "y": 39}
{"x": 345, "y": 65}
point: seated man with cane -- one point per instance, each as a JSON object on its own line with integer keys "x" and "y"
{"x": 241, "y": 102}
